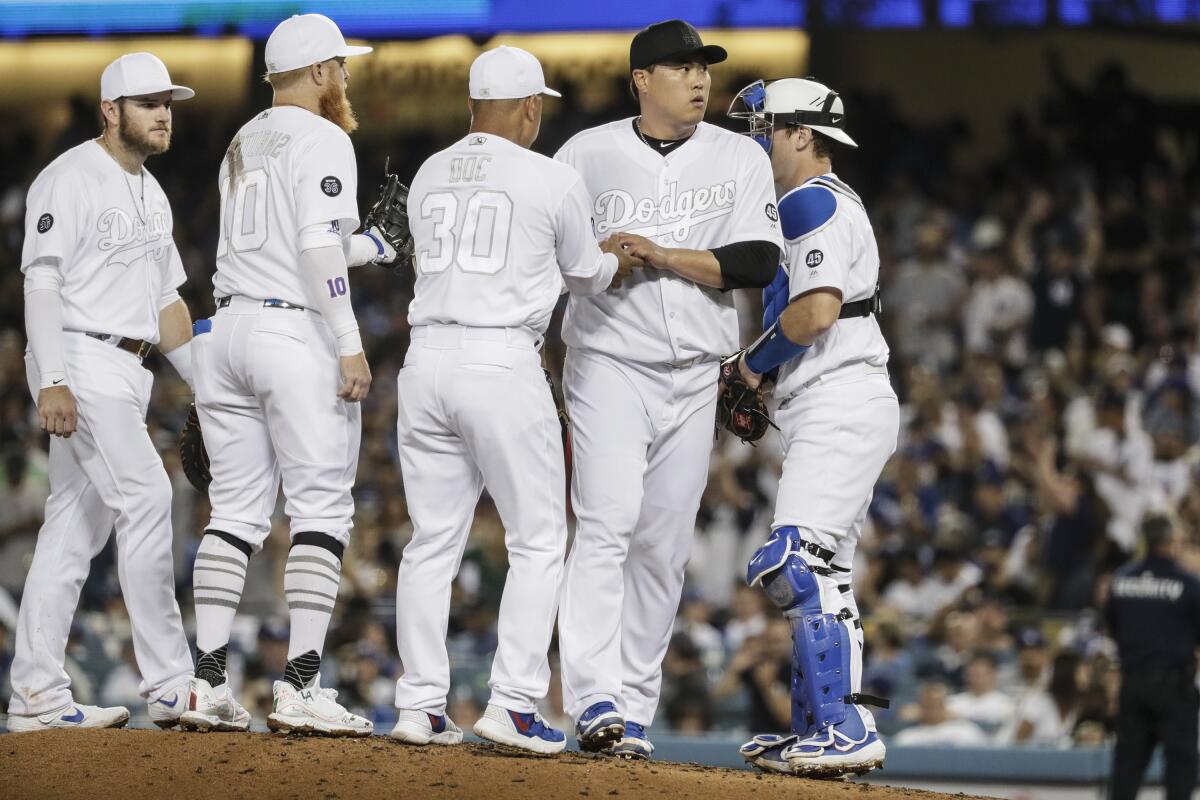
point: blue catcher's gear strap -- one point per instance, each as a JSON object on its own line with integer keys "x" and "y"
{"x": 775, "y": 297}
{"x": 772, "y": 349}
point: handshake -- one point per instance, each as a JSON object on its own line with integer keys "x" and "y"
{"x": 632, "y": 252}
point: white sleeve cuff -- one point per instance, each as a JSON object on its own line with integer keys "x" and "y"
{"x": 43, "y": 322}
{"x": 181, "y": 360}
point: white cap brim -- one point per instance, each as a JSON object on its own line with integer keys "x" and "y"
{"x": 837, "y": 134}
{"x": 177, "y": 92}
{"x": 547, "y": 90}
{"x": 354, "y": 50}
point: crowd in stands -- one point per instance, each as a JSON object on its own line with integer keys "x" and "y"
{"x": 1042, "y": 308}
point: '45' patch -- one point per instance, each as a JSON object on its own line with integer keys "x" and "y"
{"x": 814, "y": 258}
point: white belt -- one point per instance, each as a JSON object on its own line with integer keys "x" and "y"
{"x": 846, "y": 372}
{"x": 453, "y": 337}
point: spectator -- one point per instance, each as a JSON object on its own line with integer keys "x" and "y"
{"x": 981, "y": 703}
{"x": 935, "y": 727}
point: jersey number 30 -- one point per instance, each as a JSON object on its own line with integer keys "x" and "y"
{"x": 477, "y": 243}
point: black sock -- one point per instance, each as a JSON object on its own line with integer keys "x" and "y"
{"x": 211, "y": 666}
{"x": 301, "y": 670}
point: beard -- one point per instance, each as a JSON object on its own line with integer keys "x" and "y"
{"x": 136, "y": 141}
{"x": 335, "y": 107}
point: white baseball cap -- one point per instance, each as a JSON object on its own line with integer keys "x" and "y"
{"x": 305, "y": 39}
{"x": 793, "y": 101}
{"x": 507, "y": 73}
{"x": 136, "y": 74}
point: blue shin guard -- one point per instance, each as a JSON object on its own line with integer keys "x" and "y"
{"x": 821, "y": 643}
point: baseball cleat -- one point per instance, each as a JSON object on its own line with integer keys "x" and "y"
{"x": 830, "y": 753}
{"x": 212, "y": 708}
{"x": 420, "y": 727}
{"x": 765, "y": 751}
{"x": 523, "y": 731}
{"x": 166, "y": 709}
{"x": 72, "y": 715}
{"x": 313, "y": 710}
{"x": 599, "y": 727}
{"x": 634, "y": 745}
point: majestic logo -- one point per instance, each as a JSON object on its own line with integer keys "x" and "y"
{"x": 674, "y": 214}
{"x": 772, "y": 212}
{"x": 127, "y": 240}
{"x": 45, "y": 223}
{"x": 477, "y": 140}
{"x": 814, "y": 258}
{"x": 331, "y": 186}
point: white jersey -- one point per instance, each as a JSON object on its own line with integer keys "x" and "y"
{"x": 285, "y": 170}
{"x": 830, "y": 244}
{"x": 496, "y": 227}
{"x": 713, "y": 190}
{"x": 109, "y": 234}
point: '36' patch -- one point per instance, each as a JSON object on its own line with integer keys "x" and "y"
{"x": 331, "y": 186}
{"x": 45, "y": 223}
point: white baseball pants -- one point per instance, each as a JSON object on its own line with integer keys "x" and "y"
{"x": 475, "y": 410}
{"x": 642, "y": 435}
{"x": 107, "y": 474}
{"x": 266, "y": 392}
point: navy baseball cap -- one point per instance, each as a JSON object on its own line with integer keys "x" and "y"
{"x": 672, "y": 40}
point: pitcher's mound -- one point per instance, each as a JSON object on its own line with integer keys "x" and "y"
{"x": 135, "y": 764}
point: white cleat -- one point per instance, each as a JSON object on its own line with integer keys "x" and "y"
{"x": 419, "y": 727}
{"x": 212, "y": 708}
{"x": 526, "y": 732}
{"x": 831, "y": 754}
{"x": 314, "y": 710}
{"x": 72, "y": 715}
{"x": 165, "y": 711}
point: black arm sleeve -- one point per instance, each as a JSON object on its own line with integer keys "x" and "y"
{"x": 747, "y": 265}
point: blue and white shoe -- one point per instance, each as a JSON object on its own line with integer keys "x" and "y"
{"x": 847, "y": 748}
{"x": 523, "y": 731}
{"x": 599, "y": 727}
{"x": 421, "y": 727}
{"x": 765, "y": 751}
{"x": 167, "y": 708}
{"x": 634, "y": 745}
{"x": 72, "y": 715}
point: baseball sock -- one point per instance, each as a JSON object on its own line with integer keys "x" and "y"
{"x": 310, "y": 585}
{"x": 218, "y": 578}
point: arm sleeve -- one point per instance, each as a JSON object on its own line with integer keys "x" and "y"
{"x": 747, "y": 265}
{"x": 324, "y": 272}
{"x": 326, "y": 182}
{"x": 585, "y": 269}
{"x": 43, "y": 321}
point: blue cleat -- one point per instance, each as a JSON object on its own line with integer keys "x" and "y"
{"x": 523, "y": 731}
{"x": 835, "y": 751}
{"x": 599, "y": 728}
{"x": 635, "y": 745}
{"x": 765, "y": 751}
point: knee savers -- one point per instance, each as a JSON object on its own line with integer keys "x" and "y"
{"x": 821, "y": 641}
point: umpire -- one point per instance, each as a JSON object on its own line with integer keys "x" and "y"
{"x": 1153, "y": 612}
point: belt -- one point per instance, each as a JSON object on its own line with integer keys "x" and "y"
{"x": 138, "y": 347}
{"x": 863, "y": 308}
{"x": 223, "y": 302}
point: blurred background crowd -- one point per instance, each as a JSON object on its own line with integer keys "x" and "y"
{"x": 1043, "y": 309}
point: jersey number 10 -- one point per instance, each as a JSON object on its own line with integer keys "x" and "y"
{"x": 244, "y": 214}
{"x": 477, "y": 243}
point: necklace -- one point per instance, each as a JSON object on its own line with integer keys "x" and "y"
{"x": 637, "y": 126}
{"x": 139, "y": 209}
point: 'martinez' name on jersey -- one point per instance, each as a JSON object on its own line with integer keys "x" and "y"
{"x": 714, "y": 189}
{"x": 109, "y": 234}
{"x": 672, "y": 215}
{"x": 285, "y": 170}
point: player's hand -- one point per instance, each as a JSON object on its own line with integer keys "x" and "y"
{"x": 387, "y": 256}
{"x": 752, "y": 378}
{"x": 626, "y": 262}
{"x": 356, "y": 377}
{"x": 643, "y": 249}
{"x": 56, "y": 411}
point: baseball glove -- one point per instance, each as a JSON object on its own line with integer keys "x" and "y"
{"x": 741, "y": 410}
{"x": 192, "y": 453}
{"x": 388, "y": 220}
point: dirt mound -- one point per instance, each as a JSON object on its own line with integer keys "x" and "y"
{"x": 129, "y": 764}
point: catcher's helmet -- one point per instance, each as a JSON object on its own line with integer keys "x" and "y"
{"x": 791, "y": 101}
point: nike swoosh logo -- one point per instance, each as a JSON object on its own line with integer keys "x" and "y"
{"x": 57, "y": 382}
{"x": 171, "y": 704}
{"x": 77, "y": 717}
{"x": 665, "y": 144}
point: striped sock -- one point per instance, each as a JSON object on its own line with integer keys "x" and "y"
{"x": 310, "y": 584}
{"x": 218, "y": 578}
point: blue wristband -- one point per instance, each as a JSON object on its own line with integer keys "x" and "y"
{"x": 772, "y": 349}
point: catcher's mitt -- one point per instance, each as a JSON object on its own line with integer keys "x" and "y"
{"x": 740, "y": 409}
{"x": 192, "y": 453}
{"x": 388, "y": 219}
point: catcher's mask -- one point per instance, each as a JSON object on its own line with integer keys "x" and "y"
{"x": 795, "y": 102}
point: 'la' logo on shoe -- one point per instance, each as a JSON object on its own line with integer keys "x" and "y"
{"x": 307, "y": 695}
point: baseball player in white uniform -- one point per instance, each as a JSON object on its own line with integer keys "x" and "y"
{"x": 101, "y": 272}
{"x": 498, "y": 231}
{"x": 838, "y": 417}
{"x": 280, "y": 373}
{"x": 696, "y": 203}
